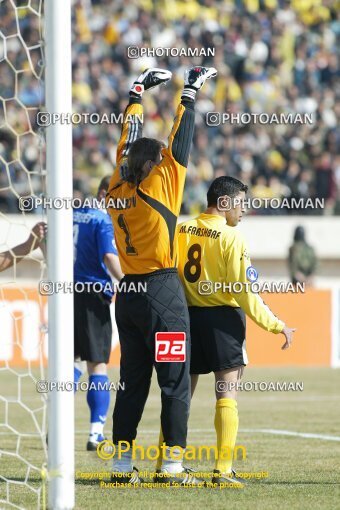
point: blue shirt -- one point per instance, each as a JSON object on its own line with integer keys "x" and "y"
{"x": 93, "y": 237}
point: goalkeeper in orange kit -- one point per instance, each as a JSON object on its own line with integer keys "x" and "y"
{"x": 144, "y": 200}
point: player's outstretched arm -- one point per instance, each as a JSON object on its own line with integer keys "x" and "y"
{"x": 132, "y": 127}
{"x": 112, "y": 263}
{"x": 288, "y": 333}
{"x": 165, "y": 182}
{"x": 181, "y": 135}
{"x": 16, "y": 254}
{"x": 238, "y": 262}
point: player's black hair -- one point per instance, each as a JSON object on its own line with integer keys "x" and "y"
{"x": 224, "y": 185}
{"x": 141, "y": 151}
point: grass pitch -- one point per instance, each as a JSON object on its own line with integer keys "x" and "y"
{"x": 303, "y": 472}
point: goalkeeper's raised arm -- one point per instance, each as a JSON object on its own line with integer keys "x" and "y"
{"x": 146, "y": 190}
{"x": 132, "y": 127}
{"x": 165, "y": 181}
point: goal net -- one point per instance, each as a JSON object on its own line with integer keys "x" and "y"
{"x": 23, "y": 314}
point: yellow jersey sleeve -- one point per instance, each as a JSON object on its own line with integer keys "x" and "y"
{"x": 237, "y": 262}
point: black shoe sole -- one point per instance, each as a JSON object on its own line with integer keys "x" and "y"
{"x": 91, "y": 447}
{"x": 125, "y": 479}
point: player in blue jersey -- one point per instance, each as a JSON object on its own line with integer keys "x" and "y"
{"x": 95, "y": 258}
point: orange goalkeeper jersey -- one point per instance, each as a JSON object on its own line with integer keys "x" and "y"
{"x": 145, "y": 216}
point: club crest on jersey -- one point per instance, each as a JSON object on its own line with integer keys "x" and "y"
{"x": 252, "y": 274}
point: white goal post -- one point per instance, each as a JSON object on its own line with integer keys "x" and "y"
{"x": 60, "y": 255}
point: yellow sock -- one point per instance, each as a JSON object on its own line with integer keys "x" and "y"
{"x": 160, "y": 442}
{"x": 226, "y": 425}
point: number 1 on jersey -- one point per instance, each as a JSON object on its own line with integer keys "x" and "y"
{"x": 130, "y": 250}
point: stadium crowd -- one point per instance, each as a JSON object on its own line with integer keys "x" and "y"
{"x": 272, "y": 56}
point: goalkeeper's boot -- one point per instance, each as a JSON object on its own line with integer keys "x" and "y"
{"x": 222, "y": 478}
{"x": 93, "y": 442}
{"x": 195, "y": 78}
{"x": 186, "y": 478}
{"x": 133, "y": 478}
{"x": 149, "y": 79}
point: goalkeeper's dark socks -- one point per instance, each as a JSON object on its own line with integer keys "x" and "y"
{"x": 98, "y": 399}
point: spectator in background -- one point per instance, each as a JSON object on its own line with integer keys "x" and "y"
{"x": 272, "y": 56}
{"x": 325, "y": 181}
{"x": 302, "y": 259}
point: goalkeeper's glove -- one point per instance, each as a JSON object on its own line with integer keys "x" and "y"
{"x": 194, "y": 79}
{"x": 149, "y": 79}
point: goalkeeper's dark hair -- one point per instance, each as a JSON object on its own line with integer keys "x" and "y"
{"x": 224, "y": 185}
{"x": 141, "y": 151}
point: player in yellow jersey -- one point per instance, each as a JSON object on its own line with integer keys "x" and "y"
{"x": 212, "y": 252}
{"x": 144, "y": 200}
